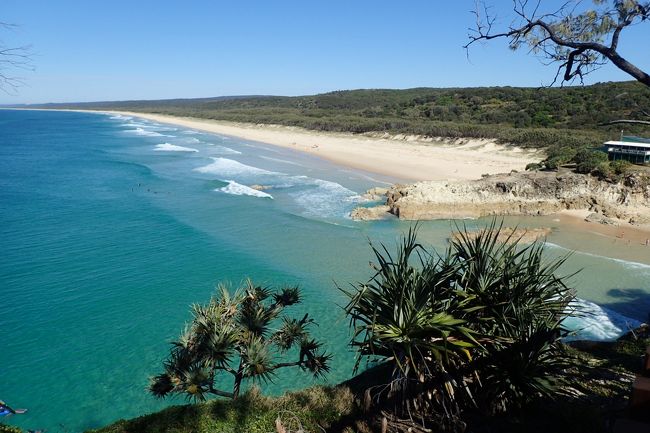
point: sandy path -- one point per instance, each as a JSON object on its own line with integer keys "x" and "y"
{"x": 401, "y": 157}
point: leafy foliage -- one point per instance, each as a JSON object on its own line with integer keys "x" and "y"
{"x": 536, "y": 118}
{"x": 477, "y": 327}
{"x": 577, "y": 36}
{"x": 233, "y": 335}
{"x": 587, "y": 160}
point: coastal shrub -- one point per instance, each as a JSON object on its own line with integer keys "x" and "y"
{"x": 559, "y": 155}
{"x": 232, "y": 336}
{"x": 587, "y": 160}
{"x": 620, "y": 167}
{"x": 478, "y": 327}
{"x": 517, "y": 302}
{"x": 604, "y": 171}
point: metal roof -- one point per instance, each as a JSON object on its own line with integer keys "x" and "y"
{"x": 627, "y": 144}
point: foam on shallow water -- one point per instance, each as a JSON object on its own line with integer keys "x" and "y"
{"x": 593, "y": 322}
{"x": 323, "y": 198}
{"x": 235, "y": 188}
{"x": 168, "y": 147}
{"x": 223, "y": 150}
{"x": 144, "y": 132}
{"x": 230, "y": 167}
{"x": 120, "y": 117}
{"x": 316, "y": 197}
{"x": 626, "y": 263}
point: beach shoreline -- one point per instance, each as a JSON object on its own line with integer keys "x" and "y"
{"x": 408, "y": 158}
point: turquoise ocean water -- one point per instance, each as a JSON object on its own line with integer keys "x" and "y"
{"x": 110, "y": 226}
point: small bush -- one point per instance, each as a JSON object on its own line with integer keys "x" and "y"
{"x": 587, "y": 160}
{"x": 620, "y": 167}
{"x": 603, "y": 171}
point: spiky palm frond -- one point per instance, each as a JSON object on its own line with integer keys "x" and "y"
{"x": 483, "y": 311}
{"x": 161, "y": 385}
{"x": 196, "y": 383}
{"x": 291, "y": 331}
{"x": 257, "y": 360}
{"x": 235, "y": 328}
{"x": 288, "y": 296}
{"x": 318, "y": 364}
{"x": 255, "y": 319}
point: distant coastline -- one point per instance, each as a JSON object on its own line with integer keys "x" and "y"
{"x": 406, "y": 158}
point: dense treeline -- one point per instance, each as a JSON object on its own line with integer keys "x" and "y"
{"x": 530, "y": 117}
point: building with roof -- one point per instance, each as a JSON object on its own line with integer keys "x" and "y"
{"x": 633, "y": 149}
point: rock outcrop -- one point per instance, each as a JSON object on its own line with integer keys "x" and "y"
{"x": 536, "y": 193}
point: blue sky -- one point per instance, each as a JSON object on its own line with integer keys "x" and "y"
{"x": 145, "y": 49}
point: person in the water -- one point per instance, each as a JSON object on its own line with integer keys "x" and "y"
{"x": 8, "y": 411}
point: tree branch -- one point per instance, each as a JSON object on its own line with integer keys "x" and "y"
{"x": 220, "y": 393}
{"x": 552, "y": 33}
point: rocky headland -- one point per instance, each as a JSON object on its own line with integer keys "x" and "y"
{"x": 529, "y": 193}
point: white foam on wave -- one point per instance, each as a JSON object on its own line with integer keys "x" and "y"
{"x": 231, "y": 168}
{"x": 324, "y": 198}
{"x": 626, "y": 263}
{"x": 192, "y": 140}
{"x": 283, "y": 161}
{"x": 223, "y": 149}
{"x": 316, "y": 197}
{"x": 120, "y": 117}
{"x": 144, "y": 132}
{"x": 594, "y": 322}
{"x": 190, "y": 132}
{"x": 235, "y": 188}
{"x": 168, "y": 147}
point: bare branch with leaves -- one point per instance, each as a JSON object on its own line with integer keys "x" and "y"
{"x": 577, "y": 38}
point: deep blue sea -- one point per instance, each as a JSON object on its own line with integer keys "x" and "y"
{"x": 111, "y": 226}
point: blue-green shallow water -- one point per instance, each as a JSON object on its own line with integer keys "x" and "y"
{"x": 106, "y": 241}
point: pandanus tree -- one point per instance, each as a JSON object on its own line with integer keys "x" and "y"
{"x": 239, "y": 336}
{"x": 478, "y": 327}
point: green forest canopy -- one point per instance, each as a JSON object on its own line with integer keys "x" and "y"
{"x": 530, "y": 117}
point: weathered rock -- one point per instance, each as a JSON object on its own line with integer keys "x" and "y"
{"x": 538, "y": 193}
{"x": 598, "y": 218}
{"x": 371, "y": 213}
{"x": 376, "y": 193}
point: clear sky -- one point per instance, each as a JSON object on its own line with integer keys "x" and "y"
{"x": 86, "y": 50}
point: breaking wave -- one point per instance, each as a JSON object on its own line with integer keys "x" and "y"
{"x": 168, "y": 147}
{"x": 593, "y": 322}
{"x": 235, "y": 188}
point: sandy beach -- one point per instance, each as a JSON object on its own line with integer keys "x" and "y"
{"x": 403, "y": 157}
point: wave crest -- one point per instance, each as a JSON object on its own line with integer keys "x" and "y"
{"x": 235, "y": 188}
{"x": 168, "y": 147}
